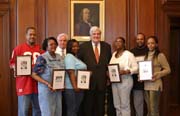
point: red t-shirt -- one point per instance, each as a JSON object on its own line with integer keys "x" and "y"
{"x": 25, "y": 84}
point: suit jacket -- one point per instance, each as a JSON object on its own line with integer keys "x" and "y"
{"x": 99, "y": 76}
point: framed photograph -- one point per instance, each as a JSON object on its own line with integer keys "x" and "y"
{"x": 84, "y": 15}
{"x": 23, "y": 65}
{"x": 83, "y": 79}
{"x": 58, "y": 79}
{"x": 114, "y": 73}
{"x": 145, "y": 70}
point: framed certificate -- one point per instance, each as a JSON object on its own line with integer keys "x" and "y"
{"x": 83, "y": 79}
{"x": 58, "y": 78}
{"x": 114, "y": 73}
{"x": 139, "y": 58}
{"x": 145, "y": 70}
{"x": 23, "y": 65}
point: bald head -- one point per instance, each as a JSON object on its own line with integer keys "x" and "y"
{"x": 140, "y": 39}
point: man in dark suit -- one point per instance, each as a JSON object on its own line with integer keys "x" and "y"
{"x": 96, "y": 54}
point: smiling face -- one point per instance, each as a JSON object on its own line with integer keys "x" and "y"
{"x": 75, "y": 47}
{"x": 119, "y": 44}
{"x": 31, "y": 36}
{"x": 62, "y": 41}
{"x": 96, "y": 36}
{"x": 51, "y": 46}
{"x": 151, "y": 44}
{"x": 140, "y": 40}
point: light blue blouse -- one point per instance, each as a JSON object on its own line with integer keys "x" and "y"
{"x": 71, "y": 62}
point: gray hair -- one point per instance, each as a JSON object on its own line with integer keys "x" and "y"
{"x": 61, "y": 35}
{"x": 94, "y": 28}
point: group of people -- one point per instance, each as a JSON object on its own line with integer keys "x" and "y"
{"x": 94, "y": 56}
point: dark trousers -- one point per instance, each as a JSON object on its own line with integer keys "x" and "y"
{"x": 93, "y": 103}
{"x": 73, "y": 100}
{"x": 110, "y": 106}
{"x": 63, "y": 105}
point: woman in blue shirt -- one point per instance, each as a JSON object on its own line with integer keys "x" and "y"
{"x": 73, "y": 95}
{"x": 49, "y": 99}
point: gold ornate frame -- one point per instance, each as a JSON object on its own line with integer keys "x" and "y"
{"x": 97, "y": 7}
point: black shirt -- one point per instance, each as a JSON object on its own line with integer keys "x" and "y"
{"x": 138, "y": 51}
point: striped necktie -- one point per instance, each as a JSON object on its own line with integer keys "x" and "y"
{"x": 63, "y": 54}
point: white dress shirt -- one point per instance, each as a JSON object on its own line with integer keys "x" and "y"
{"x": 98, "y": 46}
{"x": 59, "y": 51}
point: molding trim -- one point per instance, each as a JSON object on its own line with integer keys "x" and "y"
{"x": 4, "y": 8}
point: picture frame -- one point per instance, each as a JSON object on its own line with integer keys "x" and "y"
{"x": 83, "y": 79}
{"x": 145, "y": 70}
{"x": 114, "y": 73}
{"x": 91, "y": 12}
{"x": 58, "y": 76}
{"x": 139, "y": 58}
{"x": 23, "y": 65}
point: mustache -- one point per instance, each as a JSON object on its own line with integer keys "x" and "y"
{"x": 32, "y": 38}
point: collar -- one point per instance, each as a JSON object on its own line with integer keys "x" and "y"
{"x": 60, "y": 49}
{"x": 141, "y": 47}
{"x": 151, "y": 52}
{"x": 98, "y": 44}
{"x": 50, "y": 58}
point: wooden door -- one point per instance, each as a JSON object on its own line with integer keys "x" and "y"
{"x": 6, "y": 104}
{"x": 175, "y": 62}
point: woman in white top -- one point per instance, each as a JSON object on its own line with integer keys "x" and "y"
{"x": 128, "y": 66}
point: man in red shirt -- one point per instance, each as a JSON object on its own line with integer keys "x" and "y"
{"x": 26, "y": 86}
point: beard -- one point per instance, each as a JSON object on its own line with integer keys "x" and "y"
{"x": 31, "y": 42}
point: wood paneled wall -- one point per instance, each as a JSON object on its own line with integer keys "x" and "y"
{"x": 26, "y": 16}
{"x": 146, "y": 16}
{"x": 57, "y": 17}
{"x": 115, "y": 11}
{"x": 4, "y": 1}
{"x": 50, "y": 17}
{"x": 141, "y": 19}
{"x": 125, "y": 18}
{"x": 5, "y": 79}
{"x": 122, "y": 18}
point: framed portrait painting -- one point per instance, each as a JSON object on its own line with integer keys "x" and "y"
{"x": 84, "y": 15}
{"x": 23, "y": 65}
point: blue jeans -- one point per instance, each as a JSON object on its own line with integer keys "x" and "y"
{"x": 24, "y": 103}
{"x": 50, "y": 102}
{"x": 152, "y": 100}
{"x": 73, "y": 100}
